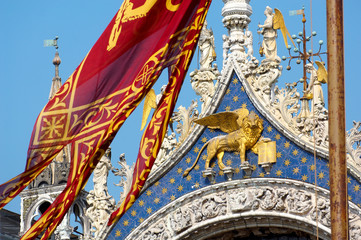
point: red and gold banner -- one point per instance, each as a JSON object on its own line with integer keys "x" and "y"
{"x": 143, "y": 38}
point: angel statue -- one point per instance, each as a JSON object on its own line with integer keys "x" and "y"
{"x": 273, "y": 22}
{"x": 244, "y": 130}
{"x": 314, "y": 90}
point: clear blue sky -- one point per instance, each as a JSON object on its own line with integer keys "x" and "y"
{"x": 26, "y": 68}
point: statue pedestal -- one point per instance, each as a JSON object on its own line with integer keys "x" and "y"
{"x": 246, "y": 167}
{"x": 210, "y": 174}
{"x": 229, "y": 172}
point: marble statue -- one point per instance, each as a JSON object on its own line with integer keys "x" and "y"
{"x": 206, "y": 47}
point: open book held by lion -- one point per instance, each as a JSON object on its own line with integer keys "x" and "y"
{"x": 244, "y": 131}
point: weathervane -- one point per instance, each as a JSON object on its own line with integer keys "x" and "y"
{"x": 305, "y": 56}
{"x": 52, "y": 42}
{"x": 56, "y": 83}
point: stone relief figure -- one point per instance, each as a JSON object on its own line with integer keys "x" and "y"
{"x": 249, "y": 42}
{"x": 317, "y": 78}
{"x": 100, "y": 176}
{"x": 269, "y": 44}
{"x": 206, "y": 47}
{"x": 225, "y": 46}
{"x": 168, "y": 145}
{"x": 101, "y": 204}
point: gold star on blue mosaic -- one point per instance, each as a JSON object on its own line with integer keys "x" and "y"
{"x": 189, "y": 177}
{"x": 172, "y": 198}
{"x": 141, "y": 220}
{"x": 254, "y": 167}
{"x": 304, "y": 160}
{"x": 244, "y": 105}
{"x": 227, "y": 109}
{"x": 228, "y": 91}
{"x": 141, "y": 203}
{"x": 204, "y": 139}
{"x": 179, "y": 170}
{"x": 261, "y": 174}
{"x": 156, "y": 200}
{"x": 164, "y": 190}
{"x": 304, "y": 177}
{"x": 287, "y": 162}
{"x": 287, "y": 144}
{"x": 196, "y": 185}
{"x": 312, "y": 167}
{"x": 349, "y": 198}
{"x": 348, "y": 180}
{"x": 295, "y": 152}
{"x": 229, "y": 162}
{"x": 118, "y": 233}
{"x": 242, "y": 89}
{"x": 180, "y": 188}
{"x": 196, "y": 150}
{"x": 279, "y": 172}
{"x": 235, "y": 81}
{"x": 156, "y": 184}
{"x": 235, "y": 99}
{"x": 204, "y": 157}
{"x": 237, "y": 170}
{"x": 295, "y": 170}
{"x": 278, "y": 154}
{"x": 125, "y": 222}
{"x": 172, "y": 180}
{"x": 220, "y": 173}
{"x": 196, "y": 167}
{"x": 356, "y": 188}
{"x": 278, "y": 137}
{"x": 133, "y": 213}
{"x": 148, "y": 193}
{"x": 149, "y": 210}
{"x": 188, "y": 160}
{"x": 321, "y": 175}
{"x": 269, "y": 129}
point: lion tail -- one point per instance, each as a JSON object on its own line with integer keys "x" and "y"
{"x": 186, "y": 172}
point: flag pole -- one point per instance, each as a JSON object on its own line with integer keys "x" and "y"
{"x": 336, "y": 106}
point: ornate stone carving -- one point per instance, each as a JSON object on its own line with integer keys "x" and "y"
{"x": 180, "y": 220}
{"x": 184, "y": 118}
{"x": 209, "y": 207}
{"x": 260, "y": 201}
{"x": 202, "y": 80}
{"x": 322, "y": 213}
{"x": 265, "y": 82}
{"x": 169, "y": 144}
{"x": 126, "y": 175}
{"x": 353, "y": 143}
{"x": 242, "y": 200}
{"x": 299, "y": 201}
{"x": 159, "y": 231}
{"x": 101, "y": 204}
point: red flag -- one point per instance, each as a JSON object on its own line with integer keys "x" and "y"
{"x": 142, "y": 39}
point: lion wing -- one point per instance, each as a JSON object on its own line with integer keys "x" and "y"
{"x": 225, "y": 121}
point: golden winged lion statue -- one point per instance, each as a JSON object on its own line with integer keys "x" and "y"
{"x": 244, "y": 131}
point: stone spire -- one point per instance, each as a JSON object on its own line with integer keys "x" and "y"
{"x": 236, "y": 17}
{"x": 56, "y": 84}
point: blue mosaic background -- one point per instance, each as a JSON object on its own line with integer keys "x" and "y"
{"x": 292, "y": 163}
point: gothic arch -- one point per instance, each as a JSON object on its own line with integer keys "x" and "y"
{"x": 242, "y": 205}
